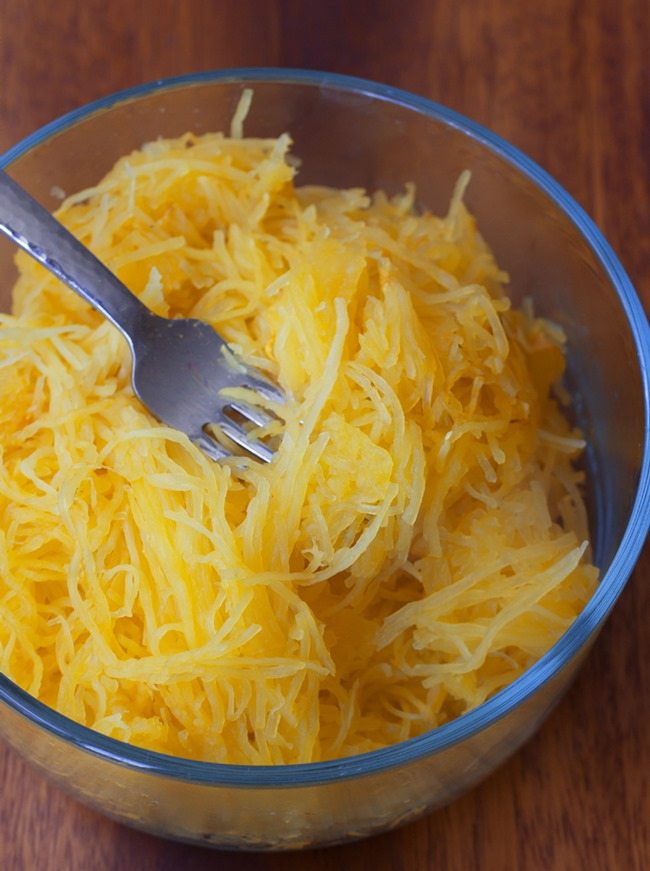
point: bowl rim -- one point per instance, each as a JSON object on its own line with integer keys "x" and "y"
{"x": 583, "y": 628}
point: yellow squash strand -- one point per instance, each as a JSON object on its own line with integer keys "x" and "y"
{"x": 418, "y": 542}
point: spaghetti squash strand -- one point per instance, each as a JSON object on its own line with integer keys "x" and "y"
{"x": 419, "y": 539}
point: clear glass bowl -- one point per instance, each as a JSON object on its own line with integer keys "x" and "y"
{"x": 352, "y": 132}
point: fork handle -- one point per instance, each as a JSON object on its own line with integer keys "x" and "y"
{"x": 38, "y": 232}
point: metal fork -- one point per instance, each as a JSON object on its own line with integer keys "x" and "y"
{"x": 180, "y": 366}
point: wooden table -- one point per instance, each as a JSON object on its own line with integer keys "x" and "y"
{"x": 568, "y": 81}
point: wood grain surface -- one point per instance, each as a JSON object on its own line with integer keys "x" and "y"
{"x": 569, "y": 83}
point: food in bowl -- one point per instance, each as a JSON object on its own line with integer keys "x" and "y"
{"x": 419, "y": 540}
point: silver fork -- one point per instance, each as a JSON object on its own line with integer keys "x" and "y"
{"x": 180, "y": 366}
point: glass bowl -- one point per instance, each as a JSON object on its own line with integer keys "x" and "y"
{"x": 353, "y": 132}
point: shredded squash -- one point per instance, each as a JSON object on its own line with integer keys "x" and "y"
{"x": 418, "y": 541}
